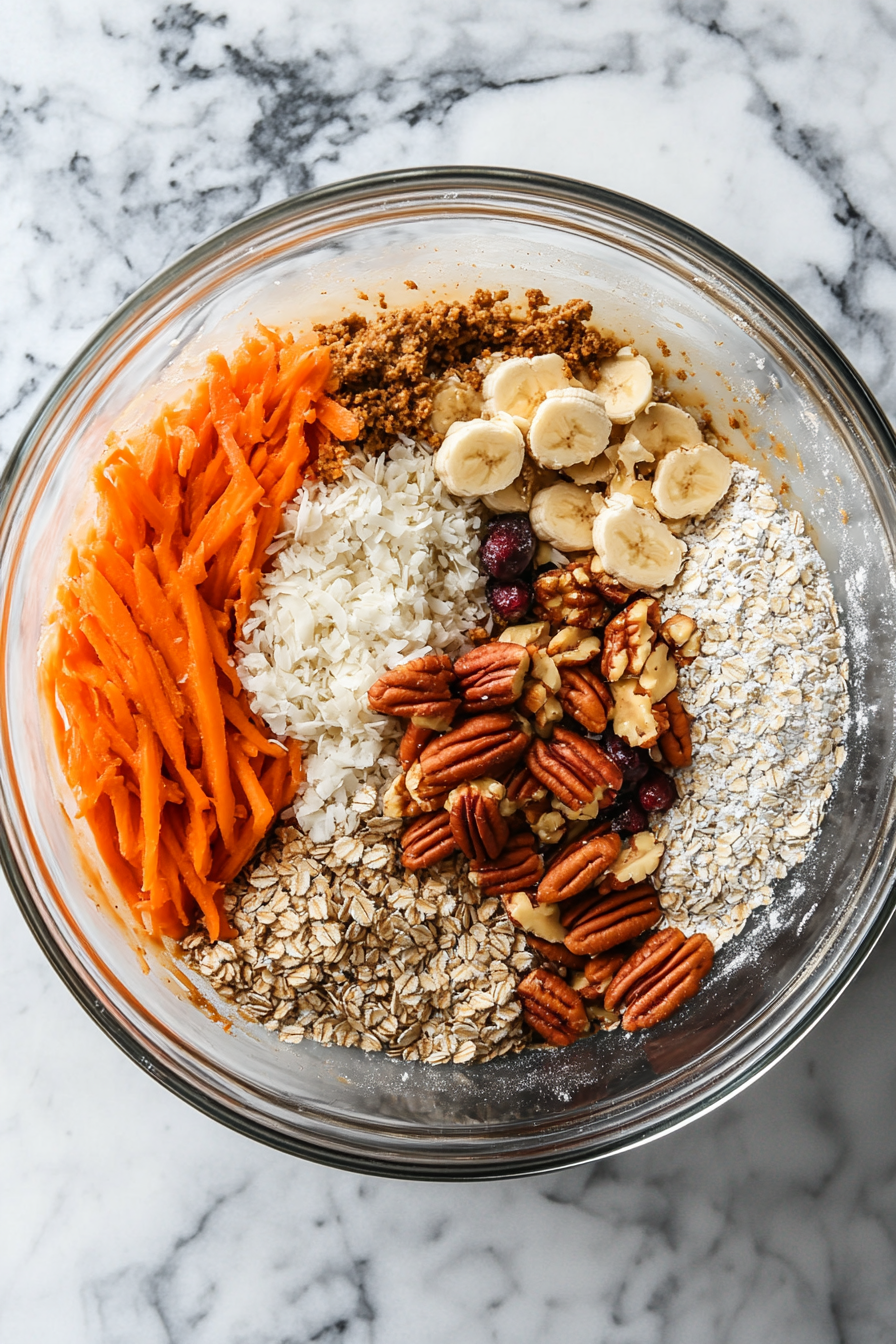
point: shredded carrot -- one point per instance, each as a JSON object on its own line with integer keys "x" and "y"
{"x": 178, "y": 780}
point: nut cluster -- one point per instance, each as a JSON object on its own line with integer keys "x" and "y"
{"x": 500, "y": 762}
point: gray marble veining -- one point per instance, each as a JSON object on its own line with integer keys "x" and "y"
{"x": 130, "y": 131}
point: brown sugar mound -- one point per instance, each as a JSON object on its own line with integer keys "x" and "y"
{"x": 386, "y": 369}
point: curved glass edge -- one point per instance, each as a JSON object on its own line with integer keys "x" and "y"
{"x": 522, "y": 185}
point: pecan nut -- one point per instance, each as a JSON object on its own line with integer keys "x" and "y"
{"x": 629, "y": 639}
{"x": 659, "y": 977}
{"x": 521, "y": 789}
{"x": 518, "y": 868}
{"x": 599, "y": 972}
{"x": 557, "y": 953}
{"x": 479, "y": 829}
{"x": 484, "y": 745}
{"x": 676, "y": 744}
{"x": 573, "y": 768}
{"x": 552, "y": 1007}
{"x": 570, "y": 596}
{"x": 579, "y": 864}
{"x": 586, "y": 697}
{"x": 491, "y": 676}
{"x": 427, "y": 840}
{"x": 597, "y": 923}
{"x": 419, "y": 688}
{"x": 412, "y": 743}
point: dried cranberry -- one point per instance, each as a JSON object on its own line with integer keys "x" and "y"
{"x": 657, "y": 792}
{"x": 509, "y": 601}
{"x": 630, "y": 819}
{"x": 509, "y": 547}
{"x": 632, "y": 761}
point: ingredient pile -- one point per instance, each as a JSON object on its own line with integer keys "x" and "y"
{"x": 568, "y": 684}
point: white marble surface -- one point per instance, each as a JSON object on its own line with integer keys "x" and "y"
{"x": 129, "y": 131}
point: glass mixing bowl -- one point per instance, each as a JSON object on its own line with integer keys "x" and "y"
{"x": 741, "y": 347}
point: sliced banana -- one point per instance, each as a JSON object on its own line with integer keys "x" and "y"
{"x": 453, "y": 400}
{"x": 518, "y": 386}
{"x": 662, "y": 427}
{"x": 631, "y": 453}
{"x": 635, "y": 546}
{"x": 591, "y": 473}
{"x": 478, "y": 457}
{"x": 569, "y": 427}
{"x": 626, "y": 385}
{"x": 639, "y": 491}
{"x": 517, "y": 497}
{"x": 563, "y": 515}
{"x": 689, "y": 481}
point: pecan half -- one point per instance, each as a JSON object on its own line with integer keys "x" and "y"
{"x": 419, "y": 688}
{"x": 484, "y": 745}
{"x": 477, "y": 825}
{"x": 608, "y": 587}
{"x": 629, "y": 639}
{"x": 597, "y": 923}
{"x": 427, "y": 840}
{"x": 552, "y": 1007}
{"x": 676, "y": 743}
{"x": 599, "y": 972}
{"x": 518, "y": 868}
{"x": 491, "y": 676}
{"x": 558, "y": 953}
{"x": 570, "y": 596}
{"x": 586, "y": 697}
{"x": 573, "y": 768}
{"x": 413, "y": 742}
{"x": 659, "y": 977}
{"x": 579, "y": 864}
{"x": 521, "y": 788}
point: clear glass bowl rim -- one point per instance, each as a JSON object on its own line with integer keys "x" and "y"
{"x": 775, "y": 303}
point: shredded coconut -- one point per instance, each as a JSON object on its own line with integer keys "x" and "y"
{"x": 375, "y": 569}
{"x": 770, "y": 703}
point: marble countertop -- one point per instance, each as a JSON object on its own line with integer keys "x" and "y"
{"x": 130, "y": 131}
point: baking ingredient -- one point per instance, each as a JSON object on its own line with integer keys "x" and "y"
{"x": 769, "y": 698}
{"x": 376, "y": 569}
{"x": 635, "y": 546}
{"x": 625, "y": 384}
{"x": 477, "y": 457}
{"x": 690, "y": 481}
{"x": 570, "y": 426}
{"x": 337, "y": 943}
{"x": 563, "y": 515}
{"x": 657, "y": 792}
{"x": 661, "y": 427}
{"x": 509, "y": 547}
{"x": 518, "y": 386}
{"x": 509, "y": 601}
{"x": 633, "y": 762}
{"x": 176, "y": 779}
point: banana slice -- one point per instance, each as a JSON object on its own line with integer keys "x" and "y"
{"x": 662, "y": 427}
{"x": 591, "y": 473}
{"x": 639, "y": 491}
{"x": 563, "y": 514}
{"x": 626, "y": 385}
{"x": 631, "y": 453}
{"x": 517, "y": 497}
{"x": 478, "y": 457}
{"x": 453, "y": 400}
{"x": 519, "y": 386}
{"x": 569, "y": 427}
{"x": 635, "y": 546}
{"x": 689, "y": 481}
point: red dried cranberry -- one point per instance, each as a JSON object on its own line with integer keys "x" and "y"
{"x": 632, "y": 761}
{"x": 657, "y": 792}
{"x": 509, "y": 547}
{"x": 509, "y": 601}
{"x": 630, "y": 819}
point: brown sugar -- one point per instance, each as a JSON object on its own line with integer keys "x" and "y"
{"x": 386, "y": 369}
